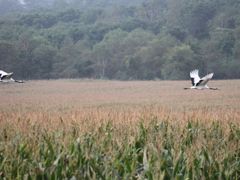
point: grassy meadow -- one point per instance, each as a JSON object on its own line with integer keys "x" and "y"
{"x": 93, "y": 129}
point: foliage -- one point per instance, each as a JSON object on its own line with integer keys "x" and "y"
{"x": 161, "y": 39}
{"x": 160, "y": 150}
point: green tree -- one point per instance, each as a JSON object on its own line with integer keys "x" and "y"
{"x": 179, "y": 60}
{"x": 8, "y": 56}
{"x": 42, "y": 59}
{"x": 106, "y": 53}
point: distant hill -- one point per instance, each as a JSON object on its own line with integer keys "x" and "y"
{"x": 120, "y": 39}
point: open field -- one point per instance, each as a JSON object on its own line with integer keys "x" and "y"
{"x": 119, "y": 130}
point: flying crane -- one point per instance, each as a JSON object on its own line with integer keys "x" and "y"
{"x": 7, "y": 77}
{"x": 200, "y": 83}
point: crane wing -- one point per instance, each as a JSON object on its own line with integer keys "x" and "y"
{"x": 203, "y": 81}
{"x": 4, "y": 75}
{"x": 194, "y": 77}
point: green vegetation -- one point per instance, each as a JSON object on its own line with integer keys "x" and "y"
{"x": 62, "y": 129}
{"x": 162, "y": 39}
{"x": 160, "y": 150}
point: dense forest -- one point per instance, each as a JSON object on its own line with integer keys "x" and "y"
{"x": 120, "y": 39}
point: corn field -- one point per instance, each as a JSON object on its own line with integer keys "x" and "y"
{"x": 43, "y": 139}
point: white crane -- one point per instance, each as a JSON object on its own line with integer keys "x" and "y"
{"x": 200, "y": 83}
{"x": 7, "y": 77}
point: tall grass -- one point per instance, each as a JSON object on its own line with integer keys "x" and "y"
{"x": 159, "y": 149}
{"x": 119, "y": 130}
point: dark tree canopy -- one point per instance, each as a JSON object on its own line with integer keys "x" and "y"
{"x": 120, "y": 39}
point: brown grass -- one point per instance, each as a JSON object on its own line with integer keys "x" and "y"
{"x": 61, "y": 112}
{"x": 58, "y": 104}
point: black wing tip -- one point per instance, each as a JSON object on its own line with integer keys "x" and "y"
{"x": 19, "y": 81}
{"x": 214, "y": 88}
{"x": 192, "y": 80}
{"x": 199, "y": 82}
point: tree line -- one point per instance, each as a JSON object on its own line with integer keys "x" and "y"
{"x": 154, "y": 39}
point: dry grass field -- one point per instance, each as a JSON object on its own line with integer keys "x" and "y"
{"x": 133, "y": 129}
{"x": 79, "y": 100}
